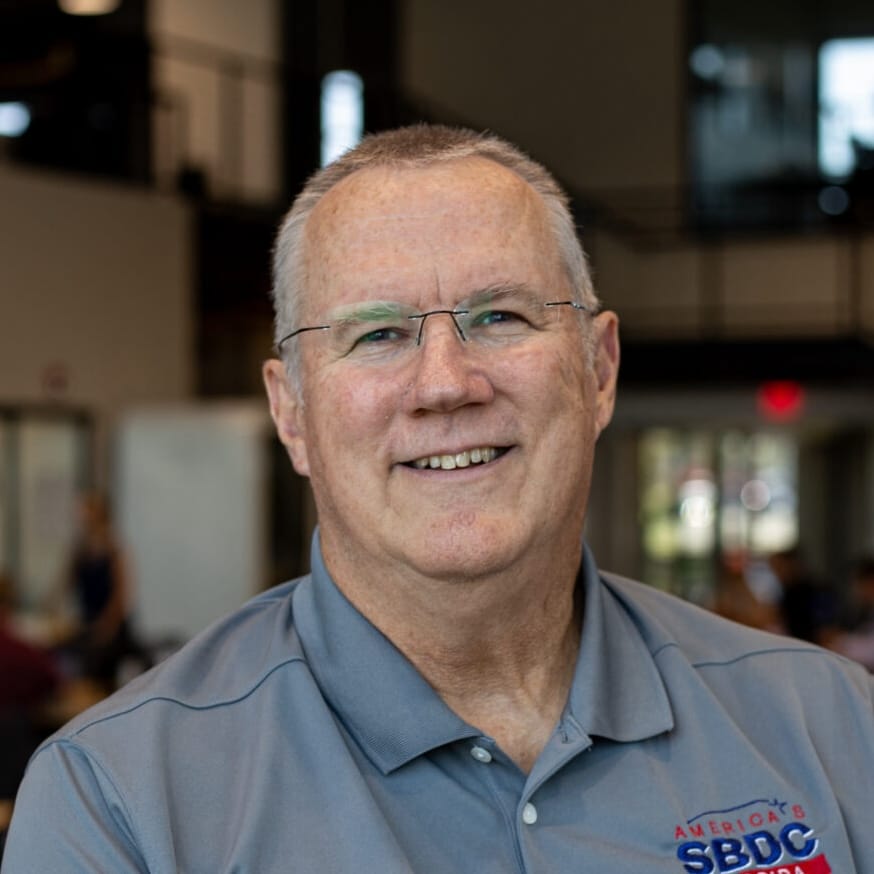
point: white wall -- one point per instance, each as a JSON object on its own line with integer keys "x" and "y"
{"x": 95, "y": 292}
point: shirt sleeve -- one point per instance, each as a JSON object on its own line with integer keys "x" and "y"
{"x": 69, "y": 818}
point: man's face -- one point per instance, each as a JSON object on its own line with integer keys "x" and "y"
{"x": 429, "y": 238}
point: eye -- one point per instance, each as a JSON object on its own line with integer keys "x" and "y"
{"x": 378, "y": 340}
{"x": 379, "y": 335}
{"x": 487, "y": 318}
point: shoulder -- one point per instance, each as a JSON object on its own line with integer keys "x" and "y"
{"x": 720, "y": 650}
{"x": 223, "y": 666}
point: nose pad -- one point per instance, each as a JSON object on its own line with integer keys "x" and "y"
{"x": 451, "y": 313}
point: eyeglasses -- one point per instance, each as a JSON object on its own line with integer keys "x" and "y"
{"x": 380, "y": 331}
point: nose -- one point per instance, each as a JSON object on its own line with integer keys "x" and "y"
{"x": 448, "y": 372}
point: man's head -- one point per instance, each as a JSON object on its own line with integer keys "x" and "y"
{"x": 463, "y": 442}
{"x": 418, "y": 146}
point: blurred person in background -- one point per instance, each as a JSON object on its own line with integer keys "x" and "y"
{"x": 856, "y": 641}
{"x": 28, "y": 676}
{"x": 808, "y": 609}
{"x": 98, "y": 582}
{"x": 28, "y": 673}
{"x": 455, "y": 687}
{"x": 735, "y": 599}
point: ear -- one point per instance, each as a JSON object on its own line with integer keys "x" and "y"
{"x": 286, "y": 408}
{"x": 606, "y": 366}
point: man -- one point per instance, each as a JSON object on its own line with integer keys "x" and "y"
{"x": 455, "y": 688}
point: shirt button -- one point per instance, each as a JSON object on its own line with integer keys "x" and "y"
{"x": 481, "y": 754}
{"x": 529, "y": 814}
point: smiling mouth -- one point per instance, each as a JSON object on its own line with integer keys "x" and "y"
{"x": 468, "y": 458}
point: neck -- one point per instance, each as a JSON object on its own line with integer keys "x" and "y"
{"x": 500, "y": 650}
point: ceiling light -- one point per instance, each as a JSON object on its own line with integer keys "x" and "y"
{"x": 89, "y": 7}
{"x": 14, "y": 119}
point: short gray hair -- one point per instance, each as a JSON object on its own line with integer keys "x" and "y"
{"x": 418, "y": 146}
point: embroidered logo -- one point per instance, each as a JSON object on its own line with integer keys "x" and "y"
{"x": 759, "y": 837}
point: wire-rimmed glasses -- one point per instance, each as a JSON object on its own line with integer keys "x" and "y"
{"x": 379, "y": 331}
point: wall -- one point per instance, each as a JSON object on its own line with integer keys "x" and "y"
{"x": 218, "y": 95}
{"x": 818, "y": 285}
{"x": 95, "y": 294}
{"x": 592, "y": 89}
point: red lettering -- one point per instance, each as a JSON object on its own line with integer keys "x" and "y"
{"x": 727, "y": 828}
{"x": 756, "y": 820}
{"x": 740, "y": 826}
{"x": 772, "y": 817}
{"x": 697, "y": 831}
{"x": 798, "y": 811}
{"x": 679, "y": 834}
{"x": 796, "y": 870}
{"x": 713, "y": 826}
{"x": 819, "y": 865}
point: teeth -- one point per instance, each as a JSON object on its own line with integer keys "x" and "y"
{"x": 480, "y": 455}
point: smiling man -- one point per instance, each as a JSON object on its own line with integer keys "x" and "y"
{"x": 455, "y": 687}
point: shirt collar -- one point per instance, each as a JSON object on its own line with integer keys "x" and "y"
{"x": 379, "y": 696}
{"x": 617, "y": 691}
{"x": 395, "y": 715}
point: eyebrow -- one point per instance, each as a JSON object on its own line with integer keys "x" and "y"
{"x": 379, "y": 310}
{"x": 501, "y": 291}
{"x": 369, "y": 311}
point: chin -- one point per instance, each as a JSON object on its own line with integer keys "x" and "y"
{"x": 464, "y": 552}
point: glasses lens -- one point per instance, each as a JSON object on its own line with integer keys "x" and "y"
{"x": 377, "y": 330}
{"x": 507, "y": 320}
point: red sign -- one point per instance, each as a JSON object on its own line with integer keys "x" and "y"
{"x": 781, "y": 401}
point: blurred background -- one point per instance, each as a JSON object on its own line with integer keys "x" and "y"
{"x": 720, "y": 155}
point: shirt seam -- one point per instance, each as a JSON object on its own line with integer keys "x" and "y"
{"x": 766, "y": 651}
{"x": 227, "y": 702}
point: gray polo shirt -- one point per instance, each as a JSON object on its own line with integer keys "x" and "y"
{"x": 294, "y": 737}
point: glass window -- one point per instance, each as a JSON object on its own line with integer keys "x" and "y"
{"x": 708, "y": 497}
{"x": 781, "y": 111}
{"x": 342, "y": 113}
{"x": 846, "y": 107}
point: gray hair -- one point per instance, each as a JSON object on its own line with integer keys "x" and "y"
{"x": 417, "y": 146}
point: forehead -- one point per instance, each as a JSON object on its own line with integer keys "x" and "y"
{"x": 447, "y": 229}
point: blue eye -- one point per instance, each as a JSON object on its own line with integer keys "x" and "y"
{"x": 380, "y": 335}
{"x": 493, "y": 317}
{"x": 379, "y": 340}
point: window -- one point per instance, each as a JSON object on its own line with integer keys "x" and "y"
{"x": 708, "y": 497}
{"x": 781, "y": 112}
{"x": 342, "y": 113}
{"x": 846, "y": 107}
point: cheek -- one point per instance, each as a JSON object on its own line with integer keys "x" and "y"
{"x": 351, "y": 411}
{"x": 556, "y": 377}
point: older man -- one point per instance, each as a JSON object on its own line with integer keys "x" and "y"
{"x": 455, "y": 688}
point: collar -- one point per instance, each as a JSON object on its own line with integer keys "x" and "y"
{"x": 617, "y": 690}
{"x": 395, "y": 715}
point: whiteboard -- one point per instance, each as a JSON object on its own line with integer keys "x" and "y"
{"x": 192, "y": 511}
